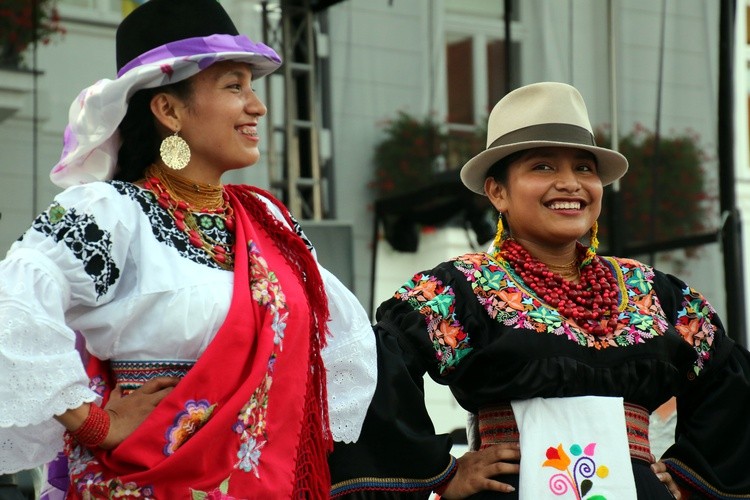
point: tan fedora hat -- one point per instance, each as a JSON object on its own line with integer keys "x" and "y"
{"x": 546, "y": 114}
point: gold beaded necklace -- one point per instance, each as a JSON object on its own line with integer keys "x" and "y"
{"x": 202, "y": 197}
{"x": 181, "y": 198}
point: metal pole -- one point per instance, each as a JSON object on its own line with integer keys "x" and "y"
{"x": 731, "y": 230}
{"x": 615, "y": 199}
{"x": 507, "y": 13}
{"x": 272, "y": 158}
{"x": 35, "y": 112}
{"x": 655, "y": 165}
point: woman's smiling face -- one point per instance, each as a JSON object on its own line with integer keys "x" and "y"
{"x": 221, "y": 122}
{"x": 551, "y": 197}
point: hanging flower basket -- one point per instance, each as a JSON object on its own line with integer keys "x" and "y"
{"x": 415, "y": 149}
{"x": 408, "y": 155}
{"x": 416, "y": 176}
{"x": 23, "y": 22}
{"x": 665, "y": 195}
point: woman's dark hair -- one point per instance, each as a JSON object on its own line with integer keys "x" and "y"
{"x": 140, "y": 138}
{"x": 499, "y": 169}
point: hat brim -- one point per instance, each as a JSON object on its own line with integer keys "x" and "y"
{"x": 262, "y": 59}
{"x": 611, "y": 164}
{"x": 91, "y": 140}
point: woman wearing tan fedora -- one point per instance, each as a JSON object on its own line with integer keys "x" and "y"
{"x": 559, "y": 354}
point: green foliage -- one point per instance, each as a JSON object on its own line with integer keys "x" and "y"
{"x": 414, "y": 149}
{"x": 23, "y": 22}
{"x": 404, "y": 159}
{"x": 664, "y": 193}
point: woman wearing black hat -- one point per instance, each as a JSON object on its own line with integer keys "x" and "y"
{"x": 559, "y": 354}
{"x": 203, "y": 310}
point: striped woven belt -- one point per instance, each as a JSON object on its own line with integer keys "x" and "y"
{"x": 497, "y": 424}
{"x": 130, "y": 375}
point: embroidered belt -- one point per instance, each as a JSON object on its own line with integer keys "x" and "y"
{"x": 498, "y": 425}
{"x": 130, "y": 375}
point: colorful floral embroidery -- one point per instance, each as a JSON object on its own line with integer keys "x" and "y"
{"x": 129, "y": 490}
{"x": 579, "y": 479}
{"x": 187, "y": 423}
{"x": 263, "y": 282}
{"x": 507, "y": 299}
{"x": 87, "y": 474}
{"x": 249, "y": 455}
{"x": 219, "y": 493}
{"x": 694, "y": 322}
{"x": 437, "y": 304}
{"x": 98, "y": 385}
{"x": 251, "y": 421}
{"x": 56, "y": 213}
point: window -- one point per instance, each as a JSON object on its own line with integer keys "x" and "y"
{"x": 477, "y": 58}
{"x": 479, "y": 68}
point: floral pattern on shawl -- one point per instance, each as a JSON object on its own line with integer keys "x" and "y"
{"x": 251, "y": 421}
{"x": 186, "y": 423}
{"x": 87, "y": 473}
{"x": 509, "y": 301}
{"x": 436, "y": 303}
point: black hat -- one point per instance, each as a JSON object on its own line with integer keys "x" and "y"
{"x": 159, "y": 43}
{"x": 158, "y": 22}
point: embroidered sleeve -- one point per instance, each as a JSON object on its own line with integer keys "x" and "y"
{"x": 695, "y": 322}
{"x": 66, "y": 259}
{"x": 436, "y": 303}
{"x": 88, "y": 243}
{"x": 85, "y": 232}
{"x": 692, "y": 316}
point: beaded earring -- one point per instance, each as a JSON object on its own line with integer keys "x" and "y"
{"x": 174, "y": 152}
{"x": 593, "y": 245}
{"x": 497, "y": 243}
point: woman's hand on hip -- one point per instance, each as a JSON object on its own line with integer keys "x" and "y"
{"x": 128, "y": 412}
{"x": 661, "y": 471}
{"x": 476, "y": 470}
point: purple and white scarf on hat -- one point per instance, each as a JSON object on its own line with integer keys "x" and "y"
{"x": 91, "y": 139}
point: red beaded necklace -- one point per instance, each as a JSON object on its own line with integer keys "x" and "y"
{"x": 592, "y": 303}
{"x": 183, "y": 214}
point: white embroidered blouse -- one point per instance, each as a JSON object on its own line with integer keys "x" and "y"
{"x": 105, "y": 260}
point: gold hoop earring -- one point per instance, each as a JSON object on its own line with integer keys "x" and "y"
{"x": 593, "y": 245}
{"x": 174, "y": 152}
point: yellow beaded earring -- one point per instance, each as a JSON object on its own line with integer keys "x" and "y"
{"x": 593, "y": 245}
{"x": 174, "y": 152}
{"x": 497, "y": 243}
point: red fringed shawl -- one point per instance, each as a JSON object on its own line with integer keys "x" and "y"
{"x": 250, "y": 418}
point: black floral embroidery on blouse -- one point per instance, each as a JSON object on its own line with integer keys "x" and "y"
{"x": 89, "y": 243}
{"x": 297, "y": 228}
{"x": 166, "y": 231}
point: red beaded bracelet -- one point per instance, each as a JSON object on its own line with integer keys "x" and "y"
{"x": 94, "y": 429}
